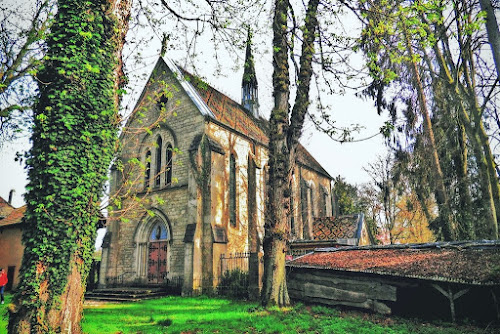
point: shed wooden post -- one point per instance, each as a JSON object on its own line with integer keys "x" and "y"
{"x": 495, "y": 301}
{"x": 451, "y": 297}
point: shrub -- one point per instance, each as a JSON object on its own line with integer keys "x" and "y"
{"x": 234, "y": 284}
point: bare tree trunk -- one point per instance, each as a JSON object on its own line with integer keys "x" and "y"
{"x": 284, "y": 135}
{"x": 466, "y": 98}
{"x": 464, "y": 185}
{"x": 274, "y": 290}
{"x": 493, "y": 32}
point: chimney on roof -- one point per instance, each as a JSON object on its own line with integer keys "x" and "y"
{"x": 11, "y": 194}
{"x": 249, "y": 91}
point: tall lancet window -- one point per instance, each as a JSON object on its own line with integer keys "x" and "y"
{"x": 147, "y": 176}
{"x": 158, "y": 162}
{"x": 168, "y": 167}
{"x": 232, "y": 190}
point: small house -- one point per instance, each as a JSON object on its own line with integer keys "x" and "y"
{"x": 11, "y": 247}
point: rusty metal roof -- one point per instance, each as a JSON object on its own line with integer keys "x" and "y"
{"x": 467, "y": 262}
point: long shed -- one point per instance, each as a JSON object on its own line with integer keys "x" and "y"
{"x": 455, "y": 278}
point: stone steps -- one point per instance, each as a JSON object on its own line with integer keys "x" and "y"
{"x": 125, "y": 294}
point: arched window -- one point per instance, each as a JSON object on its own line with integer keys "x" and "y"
{"x": 168, "y": 169}
{"x": 147, "y": 176}
{"x": 158, "y": 162}
{"x": 159, "y": 232}
{"x": 232, "y": 190}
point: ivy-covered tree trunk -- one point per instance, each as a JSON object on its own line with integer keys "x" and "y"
{"x": 74, "y": 136}
{"x": 284, "y": 134}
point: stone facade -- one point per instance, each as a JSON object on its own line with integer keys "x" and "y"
{"x": 196, "y": 163}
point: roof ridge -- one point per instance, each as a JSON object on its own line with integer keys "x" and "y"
{"x": 464, "y": 244}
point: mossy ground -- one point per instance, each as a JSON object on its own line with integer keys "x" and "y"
{"x": 214, "y": 315}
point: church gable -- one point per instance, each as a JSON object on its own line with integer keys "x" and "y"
{"x": 161, "y": 129}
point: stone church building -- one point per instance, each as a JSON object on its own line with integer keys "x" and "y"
{"x": 197, "y": 163}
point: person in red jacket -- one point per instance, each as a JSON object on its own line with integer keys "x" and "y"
{"x": 3, "y": 282}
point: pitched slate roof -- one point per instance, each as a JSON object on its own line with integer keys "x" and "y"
{"x": 226, "y": 111}
{"x": 474, "y": 263}
{"x": 341, "y": 227}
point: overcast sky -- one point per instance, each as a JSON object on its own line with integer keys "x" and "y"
{"x": 346, "y": 159}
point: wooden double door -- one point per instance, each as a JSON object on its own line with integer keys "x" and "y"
{"x": 157, "y": 262}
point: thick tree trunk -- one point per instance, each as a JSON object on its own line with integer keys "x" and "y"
{"x": 274, "y": 290}
{"x": 492, "y": 179}
{"x": 284, "y": 136}
{"x": 73, "y": 143}
{"x": 66, "y": 317}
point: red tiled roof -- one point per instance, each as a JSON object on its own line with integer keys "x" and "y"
{"x": 14, "y": 217}
{"x": 472, "y": 263}
{"x": 228, "y": 111}
{"x": 235, "y": 116}
{"x": 331, "y": 228}
{"x": 4, "y": 204}
{"x": 5, "y": 208}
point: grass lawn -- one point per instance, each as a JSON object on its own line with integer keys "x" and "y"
{"x": 213, "y": 315}
{"x": 3, "y": 314}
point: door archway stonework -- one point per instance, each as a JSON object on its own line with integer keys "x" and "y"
{"x": 152, "y": 244}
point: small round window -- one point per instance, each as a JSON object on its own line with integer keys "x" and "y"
{"x": 159, "y": 232}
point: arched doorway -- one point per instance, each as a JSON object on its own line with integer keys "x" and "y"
{"x": 157, "y": 265}
{"x": 152, "y": 240}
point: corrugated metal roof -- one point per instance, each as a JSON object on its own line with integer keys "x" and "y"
{"x": 474, "y": 263}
